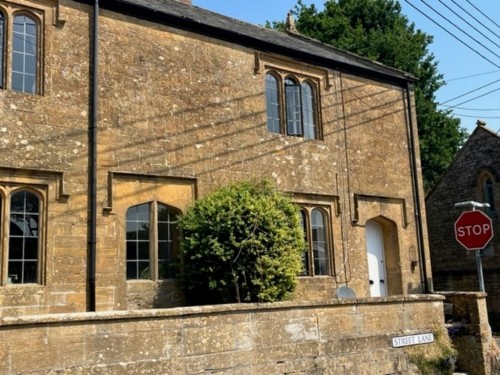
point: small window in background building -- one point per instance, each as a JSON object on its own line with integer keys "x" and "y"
{"x": 489, "y": 196}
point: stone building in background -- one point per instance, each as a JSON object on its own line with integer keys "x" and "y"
{"x": 112, "y": 126}
{"x": 474, "y": 175}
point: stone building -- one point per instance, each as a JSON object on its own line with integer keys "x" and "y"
{"x": 473, "y": 175}
{"x": 116, "y": 122}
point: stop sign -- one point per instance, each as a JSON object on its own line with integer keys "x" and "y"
{"x": 473, "y": 230}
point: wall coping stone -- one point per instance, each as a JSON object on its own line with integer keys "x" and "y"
{"x": 176, "y": 312}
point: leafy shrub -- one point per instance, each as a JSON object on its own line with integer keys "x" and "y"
{"x": 242, "y": 243}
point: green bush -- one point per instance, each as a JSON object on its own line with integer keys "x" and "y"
{"x": 242, "y": 243}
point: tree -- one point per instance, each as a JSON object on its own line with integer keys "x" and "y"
{"x": 242, "y": 243}
{"x": 377, "y": 30}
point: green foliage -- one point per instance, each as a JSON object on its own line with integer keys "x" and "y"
{"x": 436, "y": 359}
{"x": 242, "y": 243}
{"x": 376, "y": 29}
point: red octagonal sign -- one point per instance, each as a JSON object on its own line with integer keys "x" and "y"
{"x": 473, "y": 230}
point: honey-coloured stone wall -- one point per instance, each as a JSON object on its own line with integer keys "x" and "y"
{"x": 179, "y": 114}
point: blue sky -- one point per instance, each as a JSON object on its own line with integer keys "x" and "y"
{"x": 455, "y": 60}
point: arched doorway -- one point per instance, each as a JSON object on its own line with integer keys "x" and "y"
{"x": 376, "y": 259}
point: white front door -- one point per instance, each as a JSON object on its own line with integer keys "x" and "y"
{"x": 376, "y": 263}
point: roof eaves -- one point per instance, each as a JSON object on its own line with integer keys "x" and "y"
{"x": 193, "y": 19}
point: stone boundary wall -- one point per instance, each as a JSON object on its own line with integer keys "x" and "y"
{"x": 470, "y": 332}
{"x": 338, "y": 337}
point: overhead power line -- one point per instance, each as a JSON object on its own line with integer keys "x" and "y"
{"x": 468, "y": 23}
{"x": 461, "y": 41}
{"x": 474, "y": 98}
{"x": 459, "y": 28}
{"x": 470, "y": 109}
{"x": 470, "y": 92}
{"x": 487, "y": 117}
{"x": 496, "y": 24}
{"x": 472, "y": 76}
{"x": 477, "y": 20}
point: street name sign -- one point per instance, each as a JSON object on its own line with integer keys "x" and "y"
{"x": 422, "y": 338}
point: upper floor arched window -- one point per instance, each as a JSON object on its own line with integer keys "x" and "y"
{"x": 24, "y": 54}
{"x": 272, "y": 104}
{"x": 292, "y": 105}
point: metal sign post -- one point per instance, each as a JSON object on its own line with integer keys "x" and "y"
{"x": 473, "y": 230}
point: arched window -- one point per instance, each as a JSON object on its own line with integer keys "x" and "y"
{"x": 24, "y": 54}
{"x": 319, "y": 243}
{"x": 152, "y": 241}
{"x": 272, "y": 102}
{"x": 489, "y": 195}
{"x": 23, "y": 237}
{"x": 316, "y": 257}
{"x": 308, "y": 106}
{"x": 2, "y": 48}
{"x": 138, "y": 241}
{"x": 293, "y": 107}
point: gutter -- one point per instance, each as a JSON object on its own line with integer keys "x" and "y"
{"x": 92, "y": 235}
{"x": 416, "y": 194}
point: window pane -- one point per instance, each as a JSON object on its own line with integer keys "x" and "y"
{"x": 15, "y": 274}
{"x": 293, "y": 108}
{"x": 15, "y": 248}
{"x": 30, "y": 46}
{"x": 143, "y": 248}
{"x": 272, "y": 104}
{"x": 131, "y": 250}
{"x": 143, "y": 232}
{"x": 30, "y": 27}
{"x": 19, "y": 23}
{"x": 132, "y": 270}
{"x": 32, "y": 202}
{"x": 30, "y": 66}
{"x": 142, "y": 212}
{"x": 31, "y": 249}
{"x": 163, "y": 231}
{"x": 132, "y": 229}
{"x": 24, "y": 52}
{"x": 143, "y": 269}
{"x": 18, "y": 63}
{"x": 308, "y": 111}
{"x": 17, "y": 81}
{"x": 163, "y": 250}
{"x": 30, "y": 272}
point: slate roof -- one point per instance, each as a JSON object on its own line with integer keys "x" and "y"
{"x": 191, "y": 18}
